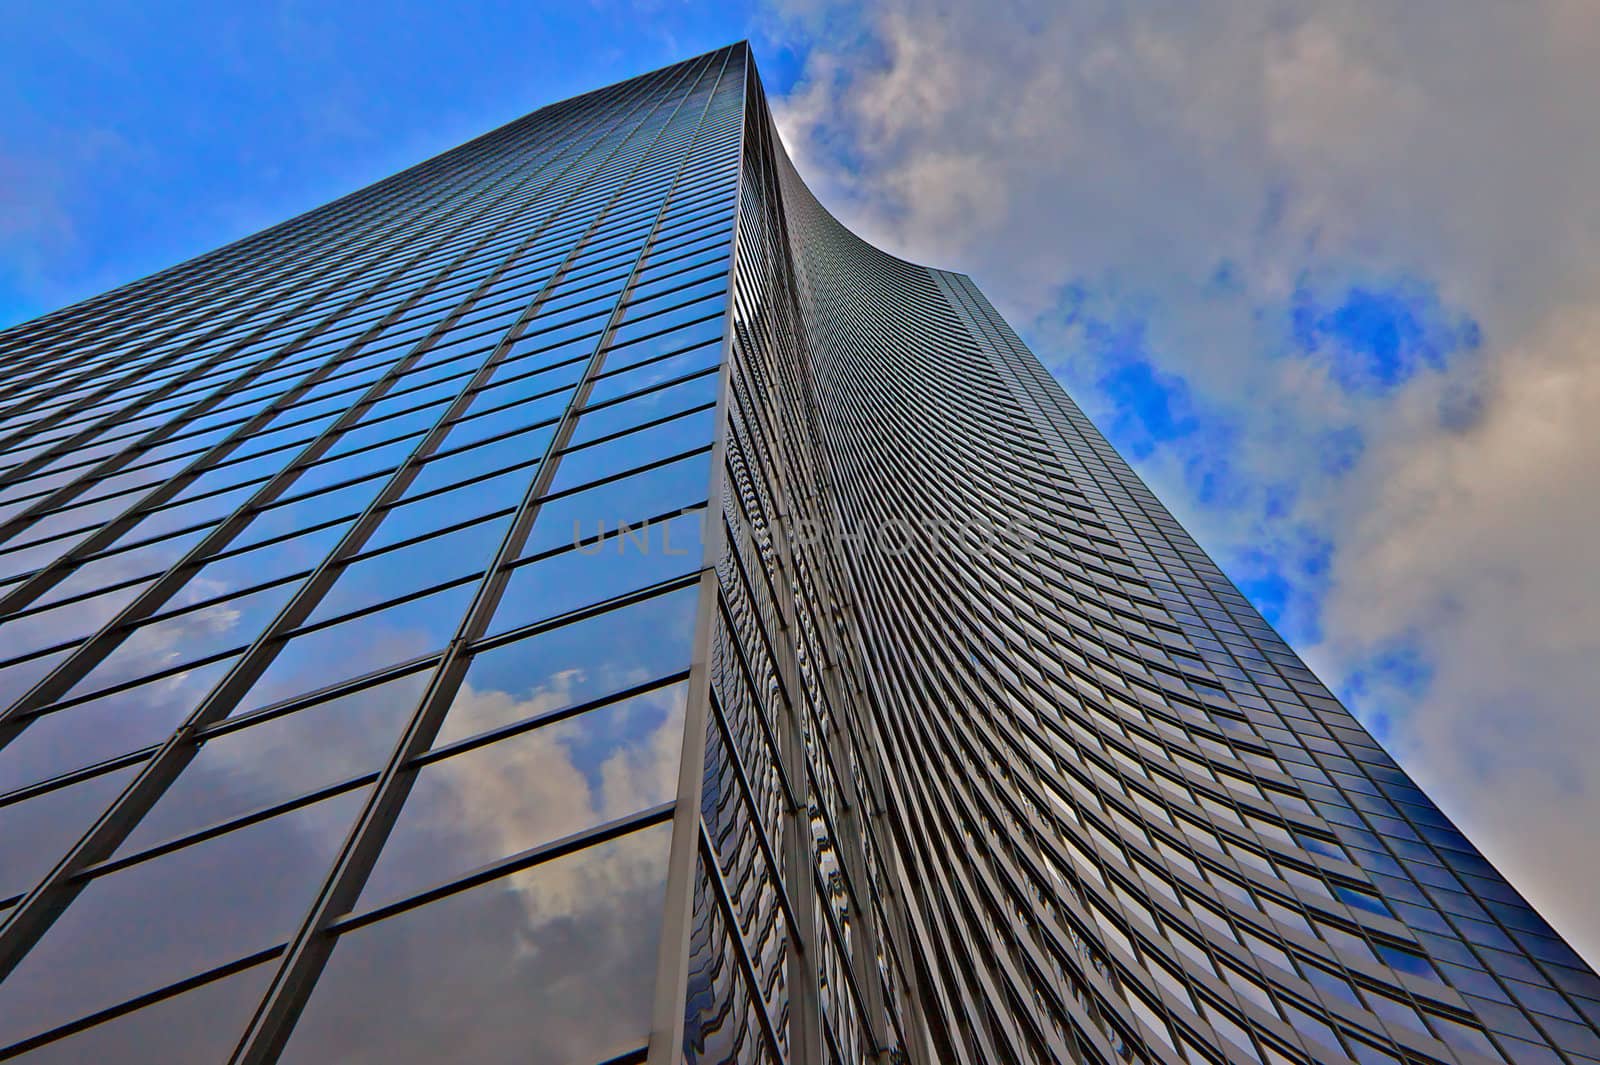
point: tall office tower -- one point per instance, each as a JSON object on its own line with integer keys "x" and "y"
{"x": 574, "y": 602}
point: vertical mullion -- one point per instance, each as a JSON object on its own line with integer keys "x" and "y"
{"x": 674, "y": 950}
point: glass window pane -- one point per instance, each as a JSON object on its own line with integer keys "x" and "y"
{"x": 598, "y": 571}
{"x": 591, "y": 512}
{"x": 604, "y": 421}
{"x": 721, "y": 1024}
{"x": 254, "y": 768}
{"x": 383, "y": 459}
{"x": 676, "y": 279}
{"x": 446, "y": 508}
{"x": 319, "y": 659}
{"x": 620, "y": 354}
{"x": 205, "y": 511}
{"x": 237, "y": 471}
{"x": 295, "y": 556}
{"x": 505, "y": 419}
{"x": 597, "y": 461}
{"x": 530, "y": 788}
{"x": 37, "y": 556}
{"x": 198, "y": 1027}
{"x": 303, "y": 511}
{"x": 188, "y": 637}
{"x": 67, "y": 623}
{"x": 656, "y": 322}
{"x": 482, "y": 460}
{"x": 35, "y": 833}
{"x": 393, "y": 574}
{"x": 548, "y": 966}
{"x": 655, "y": 373}
{"x": 76, "y": 517}
{"x": 409, "y": 427}
{"x": 576, "y": 663}
{"x": 540, "y": 349}
{"x": 149, "y": 925}
{"x": 675, "y": 292}
{"x": 17, "y": 678}
{"x": 105, "y": 727}
{"x": 107, "y": 570}
{"x": 532, "y": 376}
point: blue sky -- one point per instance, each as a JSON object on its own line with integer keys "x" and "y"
{"x": 134, "y": 136}
{"x": 1329, "y": 277}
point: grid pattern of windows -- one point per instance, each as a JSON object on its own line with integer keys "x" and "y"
{"x": 574, "y": 602}
{"x": 349, "y": 603}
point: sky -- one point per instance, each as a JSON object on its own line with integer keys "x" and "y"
{"x": 1328, "y": 274}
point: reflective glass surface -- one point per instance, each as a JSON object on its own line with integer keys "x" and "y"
{"x": 196, "y": 1027}
{"x": 173, "y": 917}
{"x": 553, "y": 964}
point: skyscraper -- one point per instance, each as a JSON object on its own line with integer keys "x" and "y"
{"x": 575, "y": 602}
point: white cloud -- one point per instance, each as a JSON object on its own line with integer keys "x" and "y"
{"x": 1133, "y": 151}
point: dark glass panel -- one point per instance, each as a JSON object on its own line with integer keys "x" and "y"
{"x": 254, "y": 768}
{"x": 144, "y": 927}
{"x": 553, "y": 965}
{"x": 105, "y": 727}
{"x": 584, "y": 515}
{"x": 197, "y": 1027}
{"x": 583, "y": 576}
{"x": 1407, "y": 962}
{"x": 323, "y": 657}
{"x": 35, "y": 833}
{"x": 721, "y": 1025}
{"x": 392, "y": 574}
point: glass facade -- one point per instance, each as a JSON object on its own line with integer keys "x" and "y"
{"x": 574, "y": 602}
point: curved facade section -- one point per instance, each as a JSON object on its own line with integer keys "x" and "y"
{"x": 1071, "y": 798}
